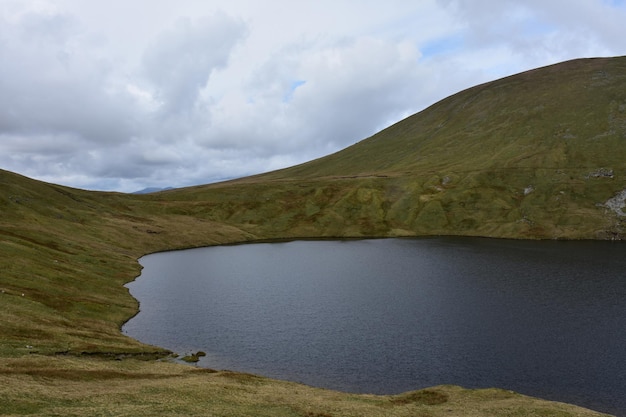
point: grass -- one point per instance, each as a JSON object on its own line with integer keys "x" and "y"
{"x": 522, "y": 157}
{"x": 72, "y": 386}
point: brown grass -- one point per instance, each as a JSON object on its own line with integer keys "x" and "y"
{"x": 70, "y": 386}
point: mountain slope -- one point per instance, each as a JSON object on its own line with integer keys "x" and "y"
{"x": 540, "y": 154}
{"x": 566, "y": 116}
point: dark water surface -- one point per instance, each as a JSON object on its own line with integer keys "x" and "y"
{"x": 546, "y": 319}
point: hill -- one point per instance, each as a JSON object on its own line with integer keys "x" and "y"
{"x": 538, "y": 155}
{"x": 535, "y": 155}
{"x": 151, "y": 190}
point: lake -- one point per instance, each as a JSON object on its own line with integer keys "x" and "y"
{"x": 543, "y": 318}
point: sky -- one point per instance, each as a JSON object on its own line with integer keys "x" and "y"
{"x": 120, "y": 95}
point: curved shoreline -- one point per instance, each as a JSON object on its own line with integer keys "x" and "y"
{"x": 418, "y": 238}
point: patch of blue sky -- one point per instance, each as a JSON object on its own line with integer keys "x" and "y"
{"x": 440, "y": 46}
{"x": 535, "y": 27}
{"x": 292, "y": 89}
{"x": 616, "y": 3}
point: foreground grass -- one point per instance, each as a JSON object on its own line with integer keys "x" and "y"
{"x": 70, "y": 386}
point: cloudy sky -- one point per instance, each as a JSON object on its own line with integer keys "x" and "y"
{"x": 126, "y": 94}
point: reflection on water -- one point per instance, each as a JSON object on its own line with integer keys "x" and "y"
{"x": 385, "y": 316}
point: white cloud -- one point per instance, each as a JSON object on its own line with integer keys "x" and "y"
{"x": 181, "y": 60}
{"x": 340, "y": 91}
{"x": 124, "y": 95}
{"x": 55, "y": 84}
{"x": 539, "y": 30}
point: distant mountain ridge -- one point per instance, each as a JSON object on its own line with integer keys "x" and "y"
{"x": 149, "y": 190}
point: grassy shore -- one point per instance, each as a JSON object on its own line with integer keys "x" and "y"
{"x": 75, "y": 386}
{"x": 65, "y": 255}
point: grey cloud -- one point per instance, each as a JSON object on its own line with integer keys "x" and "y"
{"x": 45, "y": 143}
{"x": 51, "y": 82}
{"x": 351, "y": 89}
{"x": 541, "y": 31}
{"x": 362, "y": 87}
{"x": 347, "y": 89}
{"x": 181, "y": 60}
{"x": 48, "y": 28}
{"x": 600, "y": 24}
{"x": 91, "y": 103}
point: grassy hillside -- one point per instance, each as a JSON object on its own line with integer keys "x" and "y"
{"x": 566, "y": 116}
{"x": 536, "y": 155}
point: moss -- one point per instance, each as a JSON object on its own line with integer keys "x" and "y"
{"x": 422, "y": 397}
{"x": 193, "y": 357}
{"x": 431, "y": 218}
